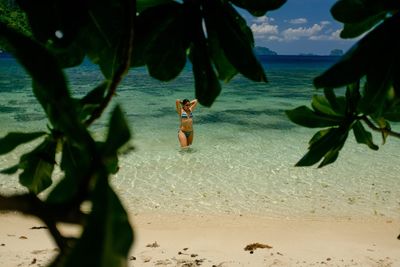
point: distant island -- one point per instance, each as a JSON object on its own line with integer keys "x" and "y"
{"x": 307, "y": 54}
{"x": 264, "y": 51}
{"x": 336, "y": 52}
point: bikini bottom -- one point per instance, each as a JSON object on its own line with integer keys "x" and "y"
{"x": 187, "y": 134}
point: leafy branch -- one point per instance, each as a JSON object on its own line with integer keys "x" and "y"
{"x": 369, "y": 70}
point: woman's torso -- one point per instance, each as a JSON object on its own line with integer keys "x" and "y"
{"x": 186, "y": 121}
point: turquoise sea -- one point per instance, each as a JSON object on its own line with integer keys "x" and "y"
{"x": 244, "y": 151}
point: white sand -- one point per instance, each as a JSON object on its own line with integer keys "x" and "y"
{"x": 166, "y": 240}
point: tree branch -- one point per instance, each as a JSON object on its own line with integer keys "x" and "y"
{"x": 386, "y": 131}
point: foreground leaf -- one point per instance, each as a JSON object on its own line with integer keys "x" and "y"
{"x": 160, "y": 41}
{"x": 326, "y": 146}
{"x": 50, "y": 86}
{"x": 75, "y": 164}
{"x": 304, "y": 116}
{"x": 322, "y": 105}
{"x": 362, "y": 136}
{"x": 107, "y": 236}
{"x": 106, "y": 36}
{"x": 12, "y": 140}
{"x": 224, "y": 68}
{"x": 118, "y": 134}
{"x": 235, "y": 38}
{"x": 356, "y": 29}
{"x": 206, "y": 83}
{"x": 374, "y": 56}
{"x": 38, "y": 167}
{"x": 141, "y": 5}
{"x": 92, "y": 100}
{"x": 354, "y": 11}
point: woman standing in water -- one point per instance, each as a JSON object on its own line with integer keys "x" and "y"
{"x": 184, "y": 109}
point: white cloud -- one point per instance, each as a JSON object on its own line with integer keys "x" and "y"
{"x": 336, "y": 34}
{"x": 332, "y": 36}
{"x": 298, "y": 21}
{"x": 260, "y": 19}
{"x": 274, "y": 38}
{"x": 325, "y": 22}
{"x": 264, "y": 28}
{"x": 263, "y": 19}
{"x": 297, "y": 33}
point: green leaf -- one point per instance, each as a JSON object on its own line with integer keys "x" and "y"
{"x": 105, "y": 38}
{"x": 224, "y": 68}
{"x": 235, "y": 38}
{"x": 348, "y": 69}
{"x": 259, "y": 7}
{"x": 353, "y": 97}
{"x": 352, "y": 30}
{"x": 96, "y": 96}
{"x": 322, "y": 106}
{"x": 160, "y": 41}
{"x": 326, "y": 146}
{"x": 354, "y": 11}
{"x": 374, "y": 56}
{"x": 92, "y": 100}
{"x": 57, "y": 26}
{"x": 111, "y": 163}
{"x": 362, "y": 136}
{"x": 331, "y": 156}
{"x": 141, "y": 5}
{"x": 376, "y": 91}
{"x": 12, "y": 140}
{"x": 119, "y": 133}
{"x": 331, "y": 97}
{"x": 70, "y": 56}
{"x": 49, "y": 83}
{"x": 107, "y": 236}
{"x": 206, "y": 83}
{"x": 392, "y": 113}
{"x": 38, "y": 167}
{"x": 72, "y": 29}
{"x": 166, "y": 56}
{"x": 318, "y": 135}
{"x": 308, "y": 118}
{"x": 45, "y": 19}
{"x": 75, "y": 164}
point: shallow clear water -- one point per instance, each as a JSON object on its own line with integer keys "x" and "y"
{"x": 243, "y": 154}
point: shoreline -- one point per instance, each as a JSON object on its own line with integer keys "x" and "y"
{"x": 210, "y": 240}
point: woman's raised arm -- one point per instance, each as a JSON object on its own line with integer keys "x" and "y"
{"x": 193, "y": 104}
{"x": 178, "y": 106}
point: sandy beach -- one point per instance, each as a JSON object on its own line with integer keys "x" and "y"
{"x": 170, "y": 240}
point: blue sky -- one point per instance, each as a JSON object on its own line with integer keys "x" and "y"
{"x": 299, "y": 27}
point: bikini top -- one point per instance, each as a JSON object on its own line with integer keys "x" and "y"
{"x": 184, "y": 115}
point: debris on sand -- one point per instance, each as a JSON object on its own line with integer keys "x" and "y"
{"x": 154, "y": 245}
{"x": 254, "y": 246}
{"x": 38, "y": 227}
